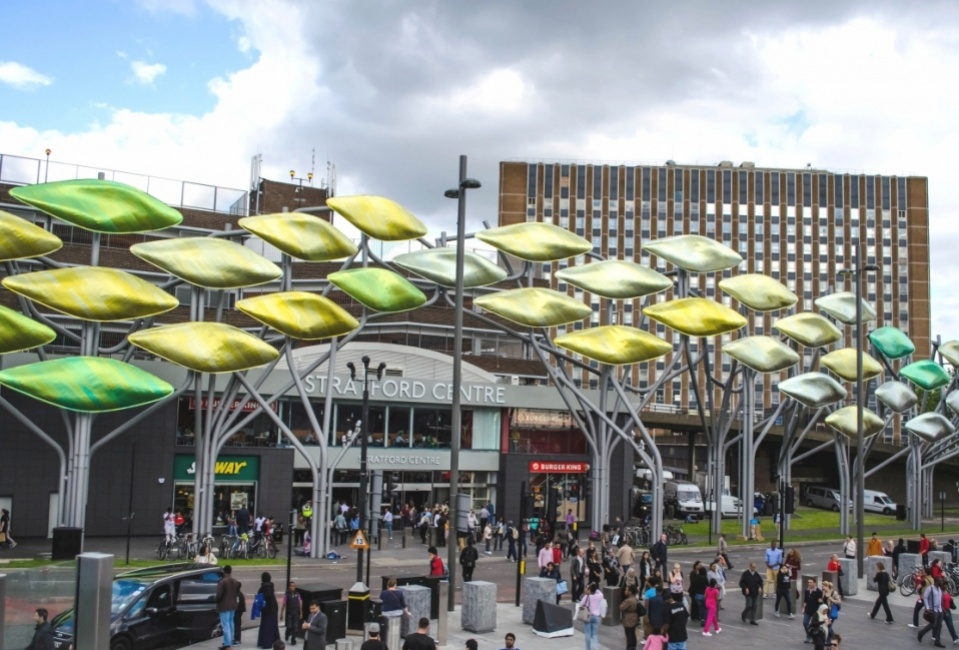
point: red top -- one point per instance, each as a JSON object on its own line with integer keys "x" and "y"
{"x": 557, "y": 555}
{"x": 436, "y": 566}
{"x": 923, "y": 545}
{"x": 935, "y": 571}
{"x": 833, "y": 566}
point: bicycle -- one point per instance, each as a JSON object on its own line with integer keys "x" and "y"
{"x": 263, "y": 546}
{"x": 166, "y": 548}
{"x": 908, "y": 580}
{"x": 675, "y": 535}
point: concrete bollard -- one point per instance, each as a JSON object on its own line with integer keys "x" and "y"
{"x": 407, "y": 538}
{"x": 613, "y": 596}
{"x": 344, "y": 644}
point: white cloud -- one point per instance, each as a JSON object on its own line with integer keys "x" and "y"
{"x": 146, "y": 73}
{"x": 22, "y": 77}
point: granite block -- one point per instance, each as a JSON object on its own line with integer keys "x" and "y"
{"x": 408, "y": 537}
{"x": 909, "y": 561}
{"x": 418, "y": 601}
{"x": 479, "y": 606}
{"x": 536, "y": 589}
{"x": 870, "y": 569}
{"x": 849, "y": 577}
{"x": 942, "y": 555}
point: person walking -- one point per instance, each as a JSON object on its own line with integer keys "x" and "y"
{"x": 468, "y": 559}
{"x": 42, "y": 632}
{"x": 818, "y": 624}
{"x": 676, "y": 619}
{"x": 577, "y": 574}
{"x": 227, "y": 590}
{"x": 717, "y": 573}
{"x": 436, "y": 564}
{"x": 291, "y": 611}
{"x": 630, "y": 610}
{"x": 812, "y": 599}
{"x": 595, "y": 604}
{"x": 388, "y": 521}
{"x": 897, "y": 550}
{"x": 420, "y": 640}
{"x": 625, "y": 556}
{"x": 722, "y": 550}
{"x": 751, "y": 584}
{"x": 783, "y": 591}
{"x": 774, "y": 560}
{"x": 545, "y": 555}
{"x": 552, "y": 571}
{"x": 712, "y": 608}
{"x": 269, "y": 630}
{"x": 314, "y": 628}
{"x": 882, "y": 581}
{"x": 660, "y": 553}
{"x": 947, "y": 606}
{"x": 512, "y": 537}
{"x": 932, "y": 601}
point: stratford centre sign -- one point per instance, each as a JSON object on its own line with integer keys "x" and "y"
{"x": 405, "y": 460}
{"x": 398, "y": 388}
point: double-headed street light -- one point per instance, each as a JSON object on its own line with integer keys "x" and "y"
{"x": 856, "y": 273}
{"x": 456, "y": 422}
{"x": 364, "y": 447}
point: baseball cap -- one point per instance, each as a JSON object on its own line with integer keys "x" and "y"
{"x": 374, "y": 628}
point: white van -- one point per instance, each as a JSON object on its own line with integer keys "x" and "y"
{"x": 730, "y": 506}
{"x": 686, "y": 497}
{"x": 876, "y": 501}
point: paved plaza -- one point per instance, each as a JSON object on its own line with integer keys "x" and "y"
{"x": 771, "y": 632}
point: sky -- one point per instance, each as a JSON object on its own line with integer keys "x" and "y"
{"x": 393, "y": 92}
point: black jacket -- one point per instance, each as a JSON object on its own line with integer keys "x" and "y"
{"x": 469, "y": 556}
{"x": 751, "y": 583}
{"x": 659, "y": 553}
{"x": 811, "y": 600}
{"x": 42, "y": 638}
{"x": 269, "y": 593}
{"x": 882, "y": 580}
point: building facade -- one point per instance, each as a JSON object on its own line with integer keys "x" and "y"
{"x": 798, "y": 226}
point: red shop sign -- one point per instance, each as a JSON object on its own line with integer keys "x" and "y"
{"x": 557, "y": 467}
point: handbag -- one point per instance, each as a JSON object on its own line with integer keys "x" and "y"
{"x": 834, "y": 611}
{"x": 584, "y": 611}
{"x": 561, "y": 587}
{"x": 3, "y": 538}
{"x": 928, "y": 616}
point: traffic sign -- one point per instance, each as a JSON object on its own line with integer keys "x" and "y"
{"x": 359, "y": 541}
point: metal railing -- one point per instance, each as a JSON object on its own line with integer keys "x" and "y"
{"x": 18, "y": 170}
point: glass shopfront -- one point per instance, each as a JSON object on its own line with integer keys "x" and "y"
{"x": 236, "y": 481}
{"x": 556, "y": 487}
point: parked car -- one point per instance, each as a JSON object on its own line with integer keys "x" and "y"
{"x": 876, "y": 501}
{"x": 823, "y": 497}
{"x": 157, "y": 606}
{"x": 730, "y": 506}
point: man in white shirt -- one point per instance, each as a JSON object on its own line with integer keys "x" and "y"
{"x": 388, "y": 521}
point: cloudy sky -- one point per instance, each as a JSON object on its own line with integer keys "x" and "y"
{"x": 393, "y": 92}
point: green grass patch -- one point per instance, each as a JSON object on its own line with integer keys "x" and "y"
{"x": 811, "y": 525}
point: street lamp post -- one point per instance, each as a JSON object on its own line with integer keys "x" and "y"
{"x": 458, "y": 193}
{"x": 856, "y": 272}
{"x": 364, "y": 448}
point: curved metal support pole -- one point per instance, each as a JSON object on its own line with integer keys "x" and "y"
{"x": 842, "y": 459}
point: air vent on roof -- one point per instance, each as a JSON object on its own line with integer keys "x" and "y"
{"x": 725, "y": 163}
{"x": 747, "y": 165}
{"x": 393, "y": 372}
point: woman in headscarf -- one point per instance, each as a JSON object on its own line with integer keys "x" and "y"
{"x": 270, "y": 622}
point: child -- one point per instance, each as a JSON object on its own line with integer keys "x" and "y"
{"x": 712, "y": 608}
{"x": 656, "y": 641}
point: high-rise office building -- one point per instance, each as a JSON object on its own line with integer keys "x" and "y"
{"x": 799, "y": 226}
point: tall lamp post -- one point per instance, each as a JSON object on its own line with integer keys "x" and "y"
{"x": 856, "y": 272}
{"x": 364, "y": 447}
{"x": 456, "y": 423}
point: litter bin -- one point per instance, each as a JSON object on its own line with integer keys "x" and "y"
{"x": 67, "y": 543}
{"x": 912, "y": 546}
{"x": 335, "y": 611}
{"x": 900, "y": 512}
{"x": 278, "y": 533}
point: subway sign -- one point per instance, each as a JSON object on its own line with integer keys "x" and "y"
{"x": 228, "y": 468}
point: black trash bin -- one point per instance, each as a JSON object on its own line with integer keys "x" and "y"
{"x": 67, "y": 543}
{"x": 278, "y": 533}
{"x": 335, "y": 611}
{"x": 900, "y": 512}
{"x": 912, "y": 546}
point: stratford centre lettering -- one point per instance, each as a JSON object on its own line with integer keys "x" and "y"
{"x": 408, "y": 389}
{"x": 388, "y": 459}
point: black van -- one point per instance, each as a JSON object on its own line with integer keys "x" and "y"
{"x": 156, "y": 606}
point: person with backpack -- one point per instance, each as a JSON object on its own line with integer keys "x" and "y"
{"x": 512, "y": 536}
{"x": 468, "y": 559}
